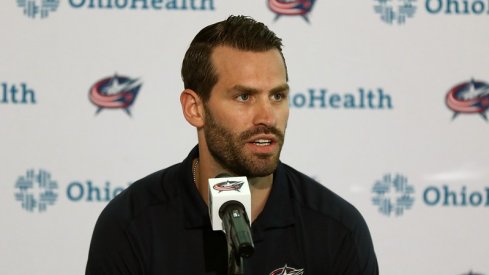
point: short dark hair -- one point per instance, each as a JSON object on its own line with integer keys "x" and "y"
{"x": 240, "y": 32}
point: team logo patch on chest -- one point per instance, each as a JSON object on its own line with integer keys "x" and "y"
{"x": 286, "y": 270}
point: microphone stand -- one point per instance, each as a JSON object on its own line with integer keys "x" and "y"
{"x": 235, "y": 262}
{"x": 239, "y": 241}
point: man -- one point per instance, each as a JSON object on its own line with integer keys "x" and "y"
{"x": 236, "y": 96}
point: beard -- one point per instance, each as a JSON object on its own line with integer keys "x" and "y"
{"x": 228, "y": 149}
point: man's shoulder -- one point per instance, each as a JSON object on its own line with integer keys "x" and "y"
{"x": 153, "y": 189}
{"x": 323, "y": 211}
{"x": 320, "y": 201}
{"x": 123, "y": 226}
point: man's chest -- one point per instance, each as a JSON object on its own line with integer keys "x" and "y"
{"x": 278, "y": 251}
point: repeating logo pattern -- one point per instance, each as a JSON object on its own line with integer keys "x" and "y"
{"x": 116, "y": 92}
{"x": 36, "y": 190}
{"x": 395, "y": 11}
{"x": 393, "y": 194}
{"x": 291, "y": 8}
{"x": 471, "y": 97}
{"x": 35, "y": 8}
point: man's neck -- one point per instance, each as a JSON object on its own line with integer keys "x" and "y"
{"x": 260, "y": 190}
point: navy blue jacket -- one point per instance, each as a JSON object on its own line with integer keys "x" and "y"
{"x": 160, "y": 225}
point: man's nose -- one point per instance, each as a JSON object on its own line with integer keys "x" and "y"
{"x": 264, "y": 113}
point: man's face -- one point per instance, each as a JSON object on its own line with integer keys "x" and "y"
{"x": 246, "y": 114}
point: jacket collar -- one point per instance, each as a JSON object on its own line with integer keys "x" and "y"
{"x": 195, "y": 210}
{"x": 277, "y": 213}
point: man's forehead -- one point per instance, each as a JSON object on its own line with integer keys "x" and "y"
{"x": 249, "y": 70}
{"x": 225, "y": 59}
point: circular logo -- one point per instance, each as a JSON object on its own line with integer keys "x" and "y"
{"x": 116, "y": 92}
{"x": 393, "y": 194}
{"x": 470, "y": 97}
{"x": 35, "y": 8}
{"x": 36, "y": 191}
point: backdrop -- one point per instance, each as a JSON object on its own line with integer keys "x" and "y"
{"x": 388, "y": 102}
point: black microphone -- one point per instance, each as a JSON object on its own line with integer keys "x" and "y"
{"x": 229, "y": 198}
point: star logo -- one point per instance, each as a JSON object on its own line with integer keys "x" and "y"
{"x": 286, "y": 270}
{"x": 116, "y": 92}
{"x": 471, "y": 97}
{"x": 228, "y": 185}
{"x": 291, "y": 8}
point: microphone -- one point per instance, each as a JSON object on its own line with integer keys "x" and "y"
{"x": 229, "y": 203}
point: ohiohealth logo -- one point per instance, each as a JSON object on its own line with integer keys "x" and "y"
{"x": 395, "y": 11}
{"x": 42, "y": 8}
{"x": 34, "y": 8}
{"x": 36, "y": 190}
{"x": 471, "y": 97}
{"x": 393, "y": 194}
{"x": 361, "y": 99}
{"x": 11, "y": 93}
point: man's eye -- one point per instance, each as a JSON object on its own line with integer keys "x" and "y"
{"x": 243, "y": 97}
{"x": 278, "y": 96}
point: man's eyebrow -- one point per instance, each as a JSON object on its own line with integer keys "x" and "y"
{"x": 246, "y": 89}
{"x": 282, "y": 88}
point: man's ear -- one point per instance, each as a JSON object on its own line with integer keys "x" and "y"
{"x": 192, "y": 107}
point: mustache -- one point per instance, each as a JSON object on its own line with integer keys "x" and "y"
{"x": 262, "y": 130}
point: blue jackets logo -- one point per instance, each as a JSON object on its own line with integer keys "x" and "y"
{"x": 287, "y": 270}
{"x": 36, "y": 190}
{"x": 471, "y": 97}
{"x": 38, "y": 8}
{"x": 393, "y": 194}
{"x": 228, "y": 185}
{"x": 291, "y": 8}
{"x": 116, "y": 92}
{"x": 395, "y": 13}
